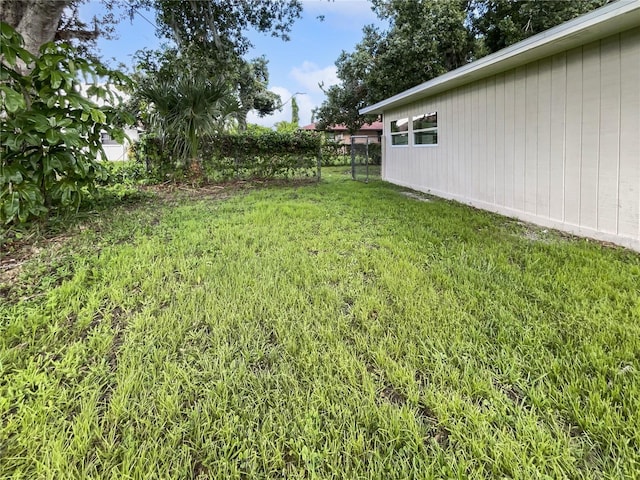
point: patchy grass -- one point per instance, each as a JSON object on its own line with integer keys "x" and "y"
{"x": 339, "y": 330}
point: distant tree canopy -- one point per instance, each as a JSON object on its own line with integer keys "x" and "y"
{"x": 207, "y": 23}
{"x": 427, "y": 38}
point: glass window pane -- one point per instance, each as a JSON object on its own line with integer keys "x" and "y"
{"x": 400, "y": 139}
{"x": 401, "y": 125}
{"x": 427, "y": 120}
{"x": 426, "y": 138}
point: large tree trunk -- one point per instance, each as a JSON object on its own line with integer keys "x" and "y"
{"x": 36, "y": 20}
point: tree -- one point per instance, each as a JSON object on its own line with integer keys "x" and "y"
{"x": 500, "y": 23}
{"x": 186, "y": 109}
{"x": 35, "y": 20}
{"x": 294, "y": 125}
{"x": 251, "y": 80}
{"x": 43, "y": 21}
{"x": 218, "y": 26}
{"x": 295, "y": 111}
{"x": 247, "y": 80}
{"x": 427, "y": 38}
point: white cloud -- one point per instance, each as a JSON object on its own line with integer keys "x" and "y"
{"x": 310, "y": 76}
{"x": 305, "y": 104}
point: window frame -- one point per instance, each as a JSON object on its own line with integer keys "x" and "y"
{"x": 424, "y": 130}
{"x": 106, "y": 139}
{"x": 400, "y": 133}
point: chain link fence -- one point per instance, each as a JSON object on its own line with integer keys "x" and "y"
{"x": 365, "y": 158}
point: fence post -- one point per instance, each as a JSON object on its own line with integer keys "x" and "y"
{"x": 367, "y": 162}
{"x": 319, "y": 163}
{"x": 353, "y": 158}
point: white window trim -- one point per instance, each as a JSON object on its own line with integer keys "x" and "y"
{"x": 395, "y": 134}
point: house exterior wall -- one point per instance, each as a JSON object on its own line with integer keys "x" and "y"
{"x": 120, "y": 152}
{"x": 555, "y": 142}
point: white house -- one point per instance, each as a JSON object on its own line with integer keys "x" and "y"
{"x": 119, "y": 151}
{"x": 546, "y": 130}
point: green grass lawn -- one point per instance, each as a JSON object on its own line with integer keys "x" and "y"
{"x": 339, "y": 330}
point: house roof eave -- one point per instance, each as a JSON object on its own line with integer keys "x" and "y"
{"x": 608, "y": 20}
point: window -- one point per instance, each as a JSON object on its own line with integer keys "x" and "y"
{"x": 400, "y": 132}
{"x": 425, "y": 129}
{"x": 106, "y": 139}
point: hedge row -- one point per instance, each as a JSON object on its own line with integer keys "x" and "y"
{"x": 243, "y": 155}
{"x": 261, "y": 155}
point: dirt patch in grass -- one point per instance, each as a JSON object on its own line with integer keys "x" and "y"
{"x": 392, "y": 396}
{"x": 16, "y": 254}
{"x": 416, "y": 196}
{"x": 170, "y": 192}
{"x": 118, "y": 326}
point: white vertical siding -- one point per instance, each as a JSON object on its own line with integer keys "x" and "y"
{"x": 543, "y": 147}
{"x": 499, "y": 140}
{"x": 629, "y": 180}
{"x": 609, "y": 152}
{"x": 558, "y": 131}
{"x": 509, "y": 138}
{"x": 490, "y": 139}
{"x": 573, "y": 137}
{"x": 556, "y": 141}
{"x": 590, "y": 136}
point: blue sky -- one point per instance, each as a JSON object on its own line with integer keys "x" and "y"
{"x": 294, "y": 66}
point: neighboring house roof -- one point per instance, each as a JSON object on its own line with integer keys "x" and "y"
{"x": 375, "y": 126}
{"x": 613, "y": 18}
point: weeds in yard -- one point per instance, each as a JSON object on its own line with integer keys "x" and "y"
{"x": 338, "y": 330}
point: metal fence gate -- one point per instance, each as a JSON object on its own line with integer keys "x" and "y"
{"x": 365, "y": 158}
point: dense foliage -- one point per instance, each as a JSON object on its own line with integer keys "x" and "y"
{"x": 184, "y": 111}
{"x": 246, "y": 80}
{"x": 50, "y": 133}
{"x": 500, "y": 23}
{"x": 220, "y": 26}
{"x": 427, "y": 38}
{"x": 210, "y": 41}
{"x": 262, "y": 155}
{"x": 254, "y": 153}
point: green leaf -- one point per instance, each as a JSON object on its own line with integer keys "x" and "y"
{"x": 7, "y": 31}
{"x": 11, "y": 206}
{"x": 70, "y": 137}
{"x": 98, "y": 116}
{"x": 12, "y": 100}
{"x": 56, "y": 80}
{"x": 51, "y": 101}
{"x": 12, "y": 175}
{"x": 41, "y": 123}
{"x": 52, "y": 137}
{"x": 9, "y": 55}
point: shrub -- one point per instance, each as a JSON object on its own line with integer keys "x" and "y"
{"x": 261, "y": 155}
{"x": 157, "y": 161}
{"x": 50, "y": 133}
{"x": 128, "y": 173}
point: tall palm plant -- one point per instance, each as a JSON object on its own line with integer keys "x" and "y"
{"x": 184, "y": 110}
